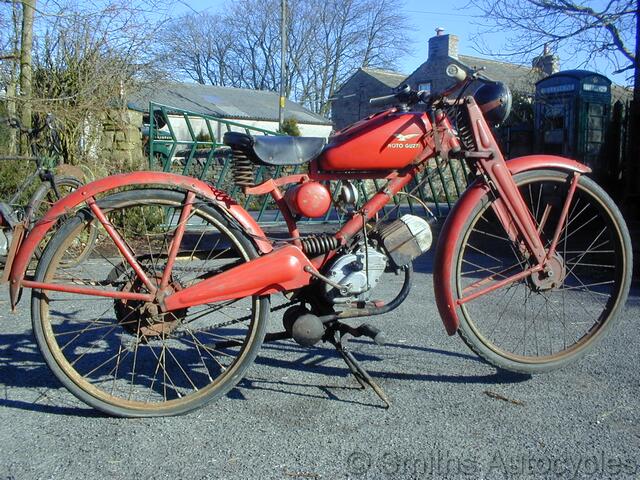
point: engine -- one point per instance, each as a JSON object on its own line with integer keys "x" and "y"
{"x": 404, "y": 239}
{"x": 359, "y": 271}
{"x": 395, "y": 245}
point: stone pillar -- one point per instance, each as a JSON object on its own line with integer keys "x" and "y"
{"x": 121, "y": 142}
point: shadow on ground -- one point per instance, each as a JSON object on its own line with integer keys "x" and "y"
{"x": 22, "y": 367}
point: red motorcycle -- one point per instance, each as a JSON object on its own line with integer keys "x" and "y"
{"x": 533, "y": 263}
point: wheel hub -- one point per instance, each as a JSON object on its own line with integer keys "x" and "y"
{"x": 146, "y": 319}
{"x": 551, "y": 277}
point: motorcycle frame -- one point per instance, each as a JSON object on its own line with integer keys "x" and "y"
{"x": 288, "y": 268}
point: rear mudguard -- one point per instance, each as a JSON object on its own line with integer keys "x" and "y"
{"x": 444, "y": 265}
{"x": 71, "y": 202}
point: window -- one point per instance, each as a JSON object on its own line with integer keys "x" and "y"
{"x": 426, "y": 86}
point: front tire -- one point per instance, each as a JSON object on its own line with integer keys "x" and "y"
{"x": 542, "y": 323}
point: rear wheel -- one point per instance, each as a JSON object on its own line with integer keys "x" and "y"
{"x": 547, "y": 319}
{"x": 127, "y": 357}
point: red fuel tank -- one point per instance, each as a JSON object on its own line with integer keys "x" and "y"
{"x": 384, "y": 141}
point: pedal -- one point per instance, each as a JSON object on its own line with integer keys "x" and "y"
{"x": 375, "y": 334}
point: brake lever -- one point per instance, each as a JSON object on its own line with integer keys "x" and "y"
{"x": 403, "y": 95}
{"x": 476, "y": 73}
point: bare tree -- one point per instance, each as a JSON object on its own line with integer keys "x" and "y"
{"x": 200, "y": 47}
{"x": 327, "y": 40}
{"x": 597, "y": 30}
{"x": 26, "y": 44}
{"x": 257, "y": 42}
{"x": 606, "y": 30}
{"x": 85, "y": 58}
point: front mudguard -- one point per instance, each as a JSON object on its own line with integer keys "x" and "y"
{"x": 71, "y": 202}
{"x": 444, "y": 264}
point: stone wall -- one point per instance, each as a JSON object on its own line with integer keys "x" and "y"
{"x": 121, "y": 141}
{"x": 352, "y": 103}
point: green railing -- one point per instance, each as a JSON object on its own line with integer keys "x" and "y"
{"x": 190, "y": 143}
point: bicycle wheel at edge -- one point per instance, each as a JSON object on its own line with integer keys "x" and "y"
{"x": 541, "y": 323}
{"x": 123, "y": 357}
{"x": 42, "y": 201}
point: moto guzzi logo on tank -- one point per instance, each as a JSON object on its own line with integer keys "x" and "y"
{"x": 404, "y": 138}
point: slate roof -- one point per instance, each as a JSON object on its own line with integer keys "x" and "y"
{"x": 519, "y": 77}
{"x": 388, "y": 77}
{"x": 224, "y": 102}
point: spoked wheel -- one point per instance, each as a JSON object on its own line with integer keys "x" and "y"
{"x": 547, "y": 319}
{"x": 125, "y": 356}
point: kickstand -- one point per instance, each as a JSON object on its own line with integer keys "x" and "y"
{"x": 358, "y": 371}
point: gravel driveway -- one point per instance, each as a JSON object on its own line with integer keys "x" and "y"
{"x": 299, "y": 415}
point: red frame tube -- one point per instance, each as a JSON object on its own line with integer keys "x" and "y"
{"x": 121, "y": 245}
{"x": 500, "y": 284}
{"x": 563, "y": 215}
{"x": 376, "y": 203}
{"x": 177, "y": 239}
{"x": 56, "y": 287}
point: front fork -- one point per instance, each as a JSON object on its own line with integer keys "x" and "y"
{"x": 517, "y": 219}
{"x": 519, "y": 224}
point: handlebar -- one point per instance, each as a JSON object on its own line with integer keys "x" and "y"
{"x": 405, "y": 96}
{"x": 33, "y": 133}
{"x": 382, "y": 101}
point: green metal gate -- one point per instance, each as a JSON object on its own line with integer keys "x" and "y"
{"x": 189, "y": 143}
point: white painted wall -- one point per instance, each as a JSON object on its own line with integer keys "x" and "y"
{"x": 199, "y": 125}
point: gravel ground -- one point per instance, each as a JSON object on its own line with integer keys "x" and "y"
{"x": 299, "y": 415}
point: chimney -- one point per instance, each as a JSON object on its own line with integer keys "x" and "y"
{"x": 443, "y": 46}
{"x": 547, "y": 62}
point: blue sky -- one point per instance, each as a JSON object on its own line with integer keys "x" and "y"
{"x": 456, "y": 17}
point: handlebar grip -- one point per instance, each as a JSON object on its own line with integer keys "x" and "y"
{"x": 456, "y": 73}
{"x": 384, "y": 100}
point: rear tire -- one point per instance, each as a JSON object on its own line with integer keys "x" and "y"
{"x": 124, "y": 358}
{"x": 42, "y": 201}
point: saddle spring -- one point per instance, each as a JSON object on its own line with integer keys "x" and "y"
{"x": 243, "y": 175}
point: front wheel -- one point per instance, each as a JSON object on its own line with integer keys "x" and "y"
{"x": 543, "y": 321}
{"x": 124, "y": 356}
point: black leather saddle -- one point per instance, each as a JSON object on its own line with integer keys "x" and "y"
{"x": 276, "y": 150}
